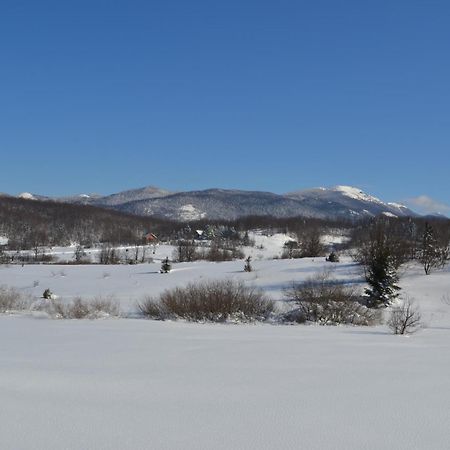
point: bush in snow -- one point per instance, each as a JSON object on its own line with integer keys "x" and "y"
{"x": 326, "y": 301}
{"x": 79, "y": 308}
{"x": 11, "y": 300}
{"x": 310, "y": 243}
{"x": 214, "y": 301}
{"x": 291, "y": 250}
{"x": 405, "y": 318}
{"x": 223, "y": 250}
{"x": 47, "y": 294}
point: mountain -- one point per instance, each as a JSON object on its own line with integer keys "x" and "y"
{"x": 337, "y": 202}
{"x": 218, "y": 204}
{"x": 328, "y": 203}
{"x": 350, "y": 201}
{"x": 120, "y": 198}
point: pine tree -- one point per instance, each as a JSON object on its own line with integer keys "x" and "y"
{"x": 382, "y": 278}
{"x": 248, "y": 266}
{"x": 332, "y": 257}
{"x": 166, "y": 267}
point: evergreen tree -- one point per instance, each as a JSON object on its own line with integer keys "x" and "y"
{"x": 332, "y": 257}
{"x": 381, "y": 275}
{"x": 166, "y": 267}
{"x": 248, "y": 266}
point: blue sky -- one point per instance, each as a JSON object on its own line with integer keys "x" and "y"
{"x": 101, "y": 96}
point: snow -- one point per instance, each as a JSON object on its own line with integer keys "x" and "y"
{"x": 190, "y": 212}
{"x": 4, "y": 240}
{"x": 267, "y": 246}
{"x": 334, "y": 239}
{"x": 388, "y": 214}
{"x": 139, "y": 384}
{"x": 27, "y": 196}
{"x": 397, "y": 205}
{"x": 357, "y": 194}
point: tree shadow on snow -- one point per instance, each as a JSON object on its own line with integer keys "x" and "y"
{"x": 147, "y": 273}
{"x": 368, "y": 332}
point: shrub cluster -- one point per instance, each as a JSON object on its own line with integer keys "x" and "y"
{"x": 79, "y": 308}
{"x": 214, "y": 301}
{"x": 11, "y": 300}
{"x": 326, "y": 301}
{"x": 218, "y": 250}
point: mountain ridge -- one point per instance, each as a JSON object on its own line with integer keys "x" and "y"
{"x": 228, "y": 204}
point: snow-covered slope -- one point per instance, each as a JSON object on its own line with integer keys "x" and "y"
{"x": 141, "y": 384}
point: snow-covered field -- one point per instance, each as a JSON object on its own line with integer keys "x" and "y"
{"x": 141, "y": 384}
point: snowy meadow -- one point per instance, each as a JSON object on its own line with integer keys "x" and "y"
{"x": 133, "y": 383}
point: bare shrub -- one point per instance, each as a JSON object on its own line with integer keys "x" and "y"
{"x": 222, "y": 250}
{"x": 80, "y": 309}
{"x": 405, "y": 318}
{"x": 326, "y": 301}
{"x": 291, "y": 249}
{"x": 214, "y": 301}
{"x": 11, "y": 300}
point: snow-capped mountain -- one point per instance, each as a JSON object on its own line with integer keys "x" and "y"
{"x": 335, "y": 202}
{"x": 349, "y": 201}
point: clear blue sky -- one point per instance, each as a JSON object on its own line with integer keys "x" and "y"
{"x": 100, "y": 96}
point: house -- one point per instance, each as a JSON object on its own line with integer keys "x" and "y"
{"x": 150, "y": 238}
{"x": 199, "y": 234}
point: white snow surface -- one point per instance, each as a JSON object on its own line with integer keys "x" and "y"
{"x": 389, "y": 214}
{"x": 141, "y": 384}
{"x": 190, "y": 212}
{"x": 27, "y": 196}
{"x": 356, "y": 193}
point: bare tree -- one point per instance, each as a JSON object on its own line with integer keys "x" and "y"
{"x": 186, "y": 251}
{"x": 433, "y": 254}
{"x": 405, "y": 319}
{"x": 79, "y": 254}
